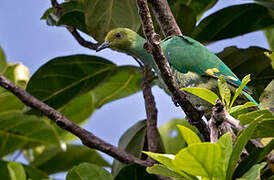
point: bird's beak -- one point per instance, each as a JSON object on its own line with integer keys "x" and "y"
{"x": 103, "y": 46}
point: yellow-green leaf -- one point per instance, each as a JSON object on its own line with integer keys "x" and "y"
{"x": 203, "y": 93}
{"x": 189, "y": 136}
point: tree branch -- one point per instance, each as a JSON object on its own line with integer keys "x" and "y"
{"x": 165, "y": 18}
{"x": 151, "y": 111}
{"x": 153, "y": 46}
{"x": 73, "y": 30}
{"x": 86, "y": 137}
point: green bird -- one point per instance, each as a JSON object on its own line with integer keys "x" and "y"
{"x": 193, "y": 65}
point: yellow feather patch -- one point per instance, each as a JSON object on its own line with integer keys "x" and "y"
{"x": 232, "y": 78}
{"x": 212, "y": 71}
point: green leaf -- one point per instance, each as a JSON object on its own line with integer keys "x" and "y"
{"x": 225, "y": 143}
{"x": 103, "y": 16}
{"x": 31, "y": 172}
{"x": 185, "y": 17}
{"x": 199, "y": 7}
{"x": 162, "y": 170}
{"x": 251, "y": 116}
{"x": 238, "y": 91}
{"x": 267, "y": 97}
{"x": 254, "y": 61}
{"x": 189, "y": 136}
{"x": 53, "y": 159}
{"x": 200, "y": 160}
{"x": 16, "y": 171}
{"x": 3, "y": 62}
{"x": 254, "y": 172}
{"x": 85, "y": 171}
{"x": 239, "y": 145}
{"x": 269, "y": 33}
{"x": 78, "y": 110}
{"x": 124, "y": 81}
{"x": 132, "y": 141}
{"x": 234, "y": 110}
{"x": 165, "y": 159}
{"x": 253, "y": 158}
{"x": 264, "y": 128}
{"x": 233, "y": 21}
{"x": 224, "y": 91}
{"x": 134, "y": 171}
{"x": 203, "y": 93}
{"x": 20, "y": 131}
{"x": 173, "y": 142}
{"x": 68, "y": 77}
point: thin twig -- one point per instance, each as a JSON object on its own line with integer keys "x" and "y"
{"x": 153, "y": 46}
{"x": 151, "y": 111}
{"x": 73, "y": 30}
{"x": 86, "y": 137}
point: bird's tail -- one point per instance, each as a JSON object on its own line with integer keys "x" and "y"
{"x": 250, "y": 98}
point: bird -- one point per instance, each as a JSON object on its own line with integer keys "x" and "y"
{"x": 192, "y": 64}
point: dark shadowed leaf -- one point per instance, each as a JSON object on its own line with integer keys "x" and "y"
{"x": 78, "y": 111}
{"x": 264, "y": 128}
{"x": 19, "y": 131}
{"x": 134, "y": 171}
{"x": 85, "y": 171}
{"x": 132, "y": 141}
{"x": 16, "y": 171}
{"x": 252, "y": 60}
{"x": 253, "y": 158}
{"x": 269, "y": 33}
{"x": 124, "y": 81}
{"x": 31, "y": 172}
{"x": 233, "y": 21}
{"x": 254, "y": 172}
{"x": 53, "y": 159}
{"x": 103, "y": 16}
{"x": 251, "y": 116}
{"x": 60, "y": 80}
{"x": 240, "y": 142}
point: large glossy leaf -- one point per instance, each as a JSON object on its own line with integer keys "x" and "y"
{"x": 103, "y": 16}
{"x": 132, "y": 141}
{"x": 124, "y": 81}
{"x": 253, "y": 158}
{"x": 3, "y": 62}
{"x": 72, "y": 15}
{"x": 254, "y": 115}
{"x": 53, "y": 159}
{"x": 31, "y": 172}
{"x": 171, "y": 137}
{"x": 18, "y": 131}
{"x": 239, "y": 145}
{"x": 267, "y": 97}
{"x": 200, "y": 159}
{"x": 60, "y": 80}
{"x": 252, "y": 60}
{"x": 134, "y": 171}
{"x": 85, "y": 171}
{"x": 16, "y": 171}
{"x": 233, "y": 21}
{"x": 78, "y": 111}
{"x": 198, "y": 6}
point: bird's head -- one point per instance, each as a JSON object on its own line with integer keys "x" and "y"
{"x": 120, "y": 39}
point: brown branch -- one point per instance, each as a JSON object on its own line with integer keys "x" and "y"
{"x": 153, "y": 46}
{"x": 86, "y": 137}
{"x": 73, "y": 30}
{"x": 151, "y": 111}
{"x": 165, "y": 17}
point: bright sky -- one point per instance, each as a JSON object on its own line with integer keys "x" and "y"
{"x": 27, "y": 39}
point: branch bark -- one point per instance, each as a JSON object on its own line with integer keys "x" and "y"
{"x": 87, "y": 138}
{"x": 165, "y": 18}
{"x": 151, "y": 111}
{"x": 153, "y": 46}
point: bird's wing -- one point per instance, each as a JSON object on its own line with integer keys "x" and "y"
{"x": 186, "y": 54}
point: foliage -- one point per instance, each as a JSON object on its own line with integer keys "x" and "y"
{"x": 77, "y": 85}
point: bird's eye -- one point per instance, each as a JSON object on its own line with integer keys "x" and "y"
{"x": 117, "y": 35}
